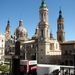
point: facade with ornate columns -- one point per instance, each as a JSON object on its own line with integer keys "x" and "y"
{"x": 42, "y": 46}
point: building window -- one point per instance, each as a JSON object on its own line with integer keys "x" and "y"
{"x": 41, "y": 49}
{"x": 41, "y": 58}
{"x": 41, "y": 16}
{"x": 33, "y": 57}
{"x": 33, "y": 46}
{"x": 66, "y": 52}
{"x": 70, "y": 52}
{"x": 71, "y": 62}
{"x": 2, "y": 40}
{"x": 59, "y": 27}
{"x": 44, "y": 16}
{"x": 52, "y": 46}
{"x": 60, "y": 38}
{"x": 66, "y": 62}
{"x": 41, "y": 33}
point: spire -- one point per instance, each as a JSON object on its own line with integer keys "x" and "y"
{"x": 43, "y": 4}
{"x": 21, "y": 23}
{"x": 60, "y": 14}
{"x": 8, "y": 25}
{"x": 60, "y": 28}
{"x": 8, "y": 31}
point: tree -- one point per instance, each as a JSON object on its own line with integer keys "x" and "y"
{"x": 4, "y": 68}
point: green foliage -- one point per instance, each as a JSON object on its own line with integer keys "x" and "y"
{"x": 4, "y": 68}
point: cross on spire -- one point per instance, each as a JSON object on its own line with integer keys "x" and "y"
{"x": 60, "y": 14}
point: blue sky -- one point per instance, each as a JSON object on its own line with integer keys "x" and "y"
{"x": 28, "y": 11}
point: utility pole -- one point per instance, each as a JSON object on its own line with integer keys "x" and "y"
{"x": 16, "y": 60}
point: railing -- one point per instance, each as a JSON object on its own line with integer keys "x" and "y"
{"x": 66, "y": 70}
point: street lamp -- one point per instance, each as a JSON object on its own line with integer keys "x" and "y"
{"x": 11, "y": 54}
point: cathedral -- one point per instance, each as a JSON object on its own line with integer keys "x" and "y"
{"x": 42, "y": 46}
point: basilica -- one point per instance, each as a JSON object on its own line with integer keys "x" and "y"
{"x": 42, "y": 46}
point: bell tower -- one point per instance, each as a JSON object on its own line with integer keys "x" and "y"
{"x": 60, "y": 28}
{"x": 43, "y": 34}
{"x": 43, "y": 12}
{"x": 43, "y": 24}
{"x": 8, "y": 31}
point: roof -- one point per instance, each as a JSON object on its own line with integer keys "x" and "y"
{"x": 31, "y": 41}
{"x": 69, "y": 42}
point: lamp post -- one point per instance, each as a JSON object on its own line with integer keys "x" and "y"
{"x": 11, "y": 54}
{"x": 16, "y": 59}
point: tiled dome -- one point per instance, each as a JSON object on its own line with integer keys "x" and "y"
{"x": 21, "y": 32}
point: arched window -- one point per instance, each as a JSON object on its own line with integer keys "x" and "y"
{"x": 59, "y": 27}
{"x": 44, "y": 16}
{"x": 66, "y": 52}
{"x": 70, "y": 52}
{"x": 71, "y": 62}
{"x": 60, "y": 38}
{"x": 41, "y": 33}
{"x": 33, "y": 57}
{"x": 66, "y": 62}
{"x": 51, "y": 46}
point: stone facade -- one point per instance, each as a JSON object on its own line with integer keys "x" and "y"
{"x": 68, "y": 48}
{"x": 2, "y": 48}
{"x": 60, "y": 28}
{"x": 8, "y": 32}
{"x": 42, "y": 46}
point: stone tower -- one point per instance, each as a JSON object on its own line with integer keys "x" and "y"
{"x": 8, "y": 31}
{"x": 43, "y": 34}
{"x": 43, "y": 24}
{"x": 60, "y": 28}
